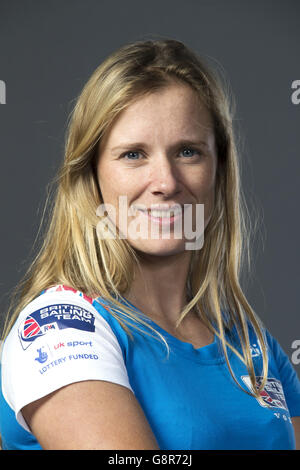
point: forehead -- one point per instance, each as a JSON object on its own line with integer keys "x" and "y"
{"x": 174, "y": 111}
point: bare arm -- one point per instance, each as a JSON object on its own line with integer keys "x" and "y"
{"x": 90, "y": 415}
{"x": 296, "y": 424}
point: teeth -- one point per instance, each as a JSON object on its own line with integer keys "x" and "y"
{"x": 164, "y": 213}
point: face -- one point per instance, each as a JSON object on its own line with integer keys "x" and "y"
{"x": 160, "y": 151}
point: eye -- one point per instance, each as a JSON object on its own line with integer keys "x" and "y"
{"x": 190, "y": 151}
{"x": 130, "y": 153}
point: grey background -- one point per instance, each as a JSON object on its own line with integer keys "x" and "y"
{"x": 48, "y": 50}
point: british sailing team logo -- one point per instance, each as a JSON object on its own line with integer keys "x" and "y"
{"x": 55, "y": 317}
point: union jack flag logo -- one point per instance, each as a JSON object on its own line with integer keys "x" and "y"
{"x": 31, "y": 328}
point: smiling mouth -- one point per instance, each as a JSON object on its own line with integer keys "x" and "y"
{"x": 163, "y": 213}
{"x": 161, "y": 216}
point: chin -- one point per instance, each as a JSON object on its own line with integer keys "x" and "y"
{"x": 159, "y": 247}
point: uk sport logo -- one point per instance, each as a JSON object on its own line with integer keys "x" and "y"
{"x": 52, "y": 318}
{"x": 272, "y": 394}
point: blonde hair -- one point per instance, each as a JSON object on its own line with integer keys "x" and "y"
{"x": 72, "y": 253}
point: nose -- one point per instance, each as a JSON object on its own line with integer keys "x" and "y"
{"x": 164, "y": 178}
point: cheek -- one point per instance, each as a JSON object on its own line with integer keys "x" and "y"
{"x": 113, "y": 183}
{"x": 118, "y": 190}
{"x": 204, "y": 181}
{"x": 205, "y": 192}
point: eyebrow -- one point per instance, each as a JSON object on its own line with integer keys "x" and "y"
{"x": 137, "y": 145}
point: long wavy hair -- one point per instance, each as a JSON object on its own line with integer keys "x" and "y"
{"x": 73, "y": 253}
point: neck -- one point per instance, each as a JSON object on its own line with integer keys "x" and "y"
{"x": 159, "y": 286}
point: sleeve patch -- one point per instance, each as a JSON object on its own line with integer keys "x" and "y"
{"x": 55, "y": 317}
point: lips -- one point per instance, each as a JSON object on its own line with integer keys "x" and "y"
{"x": 161, "y": 217}
{"x": 164, "y": 209}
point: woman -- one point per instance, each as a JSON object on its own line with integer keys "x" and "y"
{"x": 125, "y": 340}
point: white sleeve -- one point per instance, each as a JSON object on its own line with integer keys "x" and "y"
{"x": 58, "y": 339}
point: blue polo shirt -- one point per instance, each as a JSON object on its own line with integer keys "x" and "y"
{"x": 188, "y": 397}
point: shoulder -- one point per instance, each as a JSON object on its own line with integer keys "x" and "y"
{"x": 60, "y": 308}
{"x": 99, "y": 310}
{"x": 63, "y": 312}
{"x": 59, "y": 338}
{"x": 67, "y": 289}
